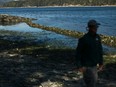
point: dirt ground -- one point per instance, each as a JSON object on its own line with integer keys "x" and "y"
{"x": 21, "y": 66}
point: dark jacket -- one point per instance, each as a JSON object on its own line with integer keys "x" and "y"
{"x": 89, "y": 51}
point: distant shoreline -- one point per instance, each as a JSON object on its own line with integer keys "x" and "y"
{"x": 61, "y": 6}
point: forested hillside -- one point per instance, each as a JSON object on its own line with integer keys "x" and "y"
{"x": 26, "y": 3}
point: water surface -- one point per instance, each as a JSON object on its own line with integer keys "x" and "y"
{"x": 71, "y": 18}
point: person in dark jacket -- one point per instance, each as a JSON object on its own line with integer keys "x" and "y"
{"x": 89, "y": 54}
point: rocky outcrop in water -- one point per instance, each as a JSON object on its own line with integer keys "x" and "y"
{"x": 7, "y": 19}
{"x": 107, "y": 40}
{"x": 11, "y": 20}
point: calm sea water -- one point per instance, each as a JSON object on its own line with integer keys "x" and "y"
{"x": 71, "y": 18}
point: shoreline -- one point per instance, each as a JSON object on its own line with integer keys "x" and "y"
{"x": 32, "y": 65}
{"x": 107, "y": 40}
{"x": 61, "y": 6}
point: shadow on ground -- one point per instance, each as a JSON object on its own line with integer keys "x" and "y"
{"x": 29, "y": 65}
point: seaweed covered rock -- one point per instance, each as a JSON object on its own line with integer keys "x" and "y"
{"x": 107, "y": 40}
{"x": 11, "y": 20}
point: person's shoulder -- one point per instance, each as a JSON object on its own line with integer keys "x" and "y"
{"x": 83, "y": 37}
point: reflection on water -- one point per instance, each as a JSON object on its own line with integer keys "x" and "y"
{"x": 19, "y": 31}
{"x": 22, "y": 27}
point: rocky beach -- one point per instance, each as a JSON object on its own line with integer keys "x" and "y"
{"x": 27, "y": 64}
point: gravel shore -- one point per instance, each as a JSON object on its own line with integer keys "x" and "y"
{"x": 36, "y": 66}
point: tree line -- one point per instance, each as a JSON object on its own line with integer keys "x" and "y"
{"x": 25, "y": 3}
